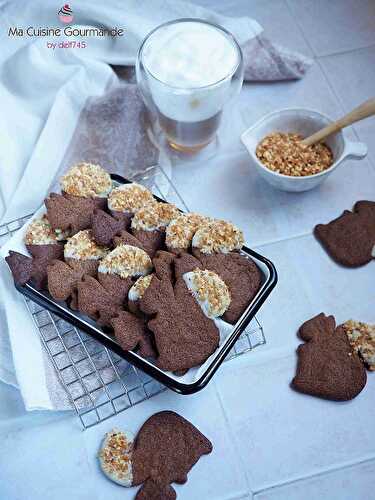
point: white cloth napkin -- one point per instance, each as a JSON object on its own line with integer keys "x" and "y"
{"x": 64, "y": 105}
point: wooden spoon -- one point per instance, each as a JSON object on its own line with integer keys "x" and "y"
{"x": 363, "y": 111}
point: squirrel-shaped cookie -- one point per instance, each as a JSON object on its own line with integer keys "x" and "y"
{"x": 184, "y": 335}
{"x": 327, "y": 365}
{"x": 165, "y": 449}
{"x": 350, "y": 239}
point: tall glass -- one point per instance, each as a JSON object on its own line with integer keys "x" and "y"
{"x": 188, "y": 71}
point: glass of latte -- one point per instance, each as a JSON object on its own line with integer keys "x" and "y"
{"x": 188, "y": 71}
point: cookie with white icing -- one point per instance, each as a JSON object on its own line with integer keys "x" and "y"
{"x": 124, "y": 201}
{"x": 149, "y": 224}
{"x": 216, "y": 245}
{"x": 209, "y": 290}
{"x": 42, "y": 241}
{"x": 120, "y": 268}
{"x": 179, "y": 233}
{"x": 115, "y": 456}
{"x": 82, "y": 251}
{"x": 87, "y": 180}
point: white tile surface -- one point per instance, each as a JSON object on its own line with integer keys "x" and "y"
{"x": 48, "y": 461}
{"x": 350, "y": 483}
{"x": 352, "y": 76}
{"x": 335, "y": 25}
{"x": 275, "y": 17}
{"x": 282, "y": 435}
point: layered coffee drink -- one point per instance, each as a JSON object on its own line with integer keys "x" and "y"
{"x": 187, "y": 71}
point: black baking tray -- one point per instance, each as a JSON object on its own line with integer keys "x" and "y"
{"x": 169, "y": 380}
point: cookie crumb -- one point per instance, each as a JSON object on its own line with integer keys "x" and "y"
{"x": 285, "y": 154}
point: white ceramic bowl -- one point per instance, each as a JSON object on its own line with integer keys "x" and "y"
{"x": 304, "y": 122}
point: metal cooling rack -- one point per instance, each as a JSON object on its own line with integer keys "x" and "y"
{"x": 99, "y": 383}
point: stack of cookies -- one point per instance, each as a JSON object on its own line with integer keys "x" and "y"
{"x": 157, "y": 278}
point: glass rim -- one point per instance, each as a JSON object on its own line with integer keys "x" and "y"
{"x": 195, "y": 20}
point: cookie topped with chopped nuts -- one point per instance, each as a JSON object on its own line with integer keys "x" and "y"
{"x": 82, "y": 246}
{"x": 285, "y": 154}
{"x": 180, "y": 231}
{"x": 140, "y": 286}
{"x": 154, "y": 217}
{"x": 115, "y": 457}
{"x": 130, "y": 198}
{"x": 87, "y": 181}
{"x": 40, "y": 232}
{"x": 209, "y": 290}
{"x": 126, "y": 261}
{"x": 218, "y": 236}
{"x": 362, "y": 338}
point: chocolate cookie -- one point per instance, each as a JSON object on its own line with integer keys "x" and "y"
{"x": 180, "y": 231}
{"x": 69, "y": 213}
{"x": 41, "y": 240}
{"x": 327, "y": 366}
{"x": 240, "y": 274}
{"x": 87, "y": 180}
{"x": 350, "y": 239}
{"x": 149, "y": 223}
{"x": 184, "y": 336}
{"x": 96, "y": 302}
{"x": 105, "y": 227}
{"x": 124, "y": 201}
{"x": 63, "y": 278}
{"x": 153, "y": 491}
{"x": 131, "y": 333}
{"x": 125, "y": 238}
{"x": 47, "y": 252}
{"x": 165, "y": 449}
{"x": 28, "y": 269}
{"x": 136, "y": 292}
{"x": 23, "y": 268}
{"x": 164, "y": 265}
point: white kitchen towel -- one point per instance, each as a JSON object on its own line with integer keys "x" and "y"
{"x": 67, "y": 104}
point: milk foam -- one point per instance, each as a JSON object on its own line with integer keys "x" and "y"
{"x": 188, "y": 65}
{"x": 190, "y": 55}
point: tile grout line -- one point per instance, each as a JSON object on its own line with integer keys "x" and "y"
{"x": 344, "y": 52}
{"x": 281, "y": 240}
{"x": 340, "y": 102}
{"x": 250, "y": 491}
{"x": 314, "y": 56}
{"x": 322, "y": 473}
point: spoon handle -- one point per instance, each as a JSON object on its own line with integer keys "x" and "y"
{"x": 363, "y": 111}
